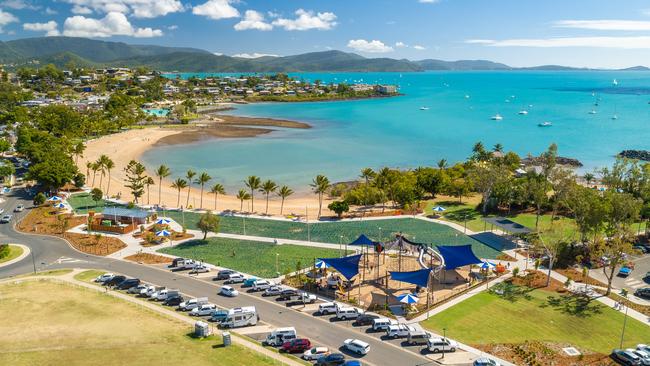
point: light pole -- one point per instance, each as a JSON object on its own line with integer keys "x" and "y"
{"x": 33, "y": 261}
{"x": 624, "y": 294}
{"x": 444, "y": 338}
{"x": 277, "y": 270}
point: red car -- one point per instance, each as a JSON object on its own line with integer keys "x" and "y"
{"x": 296, "y": 345}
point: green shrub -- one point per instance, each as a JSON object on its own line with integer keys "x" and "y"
{"x": 4, "y": 250}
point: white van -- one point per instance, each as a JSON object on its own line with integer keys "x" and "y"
{"x": 327, "y": 308}
{"x": 164, "y": 294}
{"x": 382, "y": 324}
{"x": 241, "y": 317}
{"x": 280, "y": 335}
{"x": 192, "y": 303}
{"x": 436, "y": 345}
{"x": 345, "y": 313}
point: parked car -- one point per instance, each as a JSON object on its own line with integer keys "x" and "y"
{"x": 203, "y": 310}
{"x": 114, "y": 280}
{"x": 160, "y": 291}
{"x": 19, "y": 208}
{"x": 192, "y": 303}
{"x": 147, "y": 290}
{"x": 219, "y": 315}
{"x": 128, "y": 283}
{"x": 184, "y": 265}
{"x": 287, "y": 294}
{"x": 5, "y": 219}
{"x": 235, "y": 278}
{"x": 643, "y": 355}
{"x": 642, "y": 248}
{"x": 164, "y": 294}
{"x": 345, "y": 313}
{"x": 399, "y": 330}
{"x": 418, "y": 337}
{"x": 176, "y": 262}
{"x": 224, "y": 274}
{"x": 624, "y": 271}
{"x": 333, "y": 359}
{"x": 357, "y": 346}
{"x": 228, "y": 291}
{"x": 643, "y": 293}
{"x": 260, "y": 285}
{"x": 352, "y": 363}
{"x": 365, "y": 319}
{"x": 272, "y": 291}
{"x": 296, "y": 345}
{"x": 315, "y": 353}
{"x": 173, "y": 301}
{"x": 303, "y": 297}
{"x": 199, "y": 268}
{"x": 278, "y": 336}
{"x": 104, "y": 277}
{"x": 625, "y": 358}
{"x": 136, "y": 289}
{"x": 327, "y": 308}
{"x": 436, "y": 345}
{"x": 248, "y": 282}
{"x": 381, "y": 324}
{"x": 485, "y": 362}
{"x": 643, "y": 347}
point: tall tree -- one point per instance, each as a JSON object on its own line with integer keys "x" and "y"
{"x": 94, "y": 167}
{"x": 253, "y": 183}
{"x": 242, "y": 196}
{"x": 202, "y": 180}
{"x": 319, "y": 185}
{"x": 208, "y": 222}
{"x": 217, "y": 189}
{"x": 108, "y": 165}
{"x": 537, "y": 187}
{"x": 135, "y": 178}
{"x": 367, "y": 174}
{"x": 283, "y": 193}
{"x": 78, "y": 151}
{"x": 267, "y": 188}
{"x": 179, "y": 184}
{"x": 442, "y": 164}
{"x": 148, "y": 183}
{"x": 189, "y": 175}
{"x": 162, "y": 172}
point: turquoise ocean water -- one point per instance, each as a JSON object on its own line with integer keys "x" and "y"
{"x": 350, "y": 135}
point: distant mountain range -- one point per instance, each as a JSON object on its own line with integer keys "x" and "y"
{"x": 94, "y": 53}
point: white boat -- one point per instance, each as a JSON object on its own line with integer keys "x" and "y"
{"x": 424, "y": 108}
{"x": 593, "y": 111}
{"x": 615, "y": 82}
{"x": 497, "y": 117}
{"x": 615, "y": 117}
{"x": 523, "y": 112}
{"x": 545, "y": 124}
{"x": 466, "y": 96}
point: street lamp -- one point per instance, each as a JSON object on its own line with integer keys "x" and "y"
{"x": 444, "y": 338}
{"x": 624, "y": 295}
{"x": 277, "y": 271}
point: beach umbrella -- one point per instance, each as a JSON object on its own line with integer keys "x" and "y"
{"x": 163, "y": 233}
{"x": 321, "y": 264}
{"x": 439, "y": 209}
{"x": 55, "y": 198}
{"x": 59, "y": 205}
{"x": 162, "y": 221}
{"x": 486, "y": 265}
{"x": 408, "y": 298}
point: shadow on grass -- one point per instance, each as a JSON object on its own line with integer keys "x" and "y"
{"x": 462, "y": 214}
{"x": 192, "y": 244}
{"x": 575, "y": 304}
{"x": 511, "y": 292}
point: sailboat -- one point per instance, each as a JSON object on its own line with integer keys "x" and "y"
{"x": 523, "y": 112}
{"x": 615, "y": 82}
{"x": 424, "y": 108}
{"x": 593, "y": 111}
{"x": 545, "y": 124}
{"x": 497, "y": 117}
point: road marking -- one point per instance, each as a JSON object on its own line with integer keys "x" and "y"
{"x": 69, "y": 260}
{"x": 634, "y": 283}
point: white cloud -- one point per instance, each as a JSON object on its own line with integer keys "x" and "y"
{"x": 6, "y": 18}
{"x": 139, "y": 8}
{"x": 113, "y": 24}
{"x": 254, "y": 55}
{"x": 216, "y": 9}
{"x": 172, "y": 27}
{"x": 50, "y": 11}
{"x": 18, "y": 5}
{"x": 636, "y": 42}
{"x": 253, "y": 20}
{"x": 605, "y": 24}
{"x": 273, "y": 14}
{"x": 374, "y": 46}
{"x": 400, "y": 44}
{"x": 306, "y": 20}
{"x": 50, "y": 28}
{"x": 419, "y": 48}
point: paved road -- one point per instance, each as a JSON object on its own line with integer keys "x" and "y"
{"x": 51, "y": 253}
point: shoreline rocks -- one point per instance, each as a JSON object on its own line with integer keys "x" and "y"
{"x": 635, "y": 154}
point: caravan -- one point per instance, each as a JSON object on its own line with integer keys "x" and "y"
{"x": 241, "y": 317}
{"x": 280, "y": 335}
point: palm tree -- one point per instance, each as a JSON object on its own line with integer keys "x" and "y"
{"x": 161, "y": 172}
{"x": 217, "y": 189}
{"x": 148, "y": 182}
{"x": 89, "y": 166}
{"x": 189, "y": 175}
{"x": 267, "y": 188}
{"x": 94, "y": 167}
{"x": 202, "y": 180}
{"x": 367, "y": 174}
{"x": 241, "y": 196}
{"x": 77, "y": 151}
{"x": 284, "y": 192}
{"x": 589, "y": 178}
{"x": 253, "y": 183}
{"x": 108, "y": 165}
{"x": 498, "y": 147}
{"x": 179, "y": 184}
{"x": 319, "y": 185}
{"x": 442, "y": 164}
{"x": 101, "y": 166}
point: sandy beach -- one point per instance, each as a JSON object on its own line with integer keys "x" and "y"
{"x": 130, "y": 145}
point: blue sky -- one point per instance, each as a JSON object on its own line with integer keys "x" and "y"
{"x": 593, "y": 33}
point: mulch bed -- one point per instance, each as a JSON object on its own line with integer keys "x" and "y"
{"x": 148, "y": 258}
{"x": 95, "y": 244}
{"x": 506, "y": 257}
{"x": 540, "y": 353}
{"x": 576, "y": 276}
{"x": 537, "y": 280}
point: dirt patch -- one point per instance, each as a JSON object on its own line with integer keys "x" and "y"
{"x": 540, "y": 353}
{"x": 537, "y": 280}
{"x": 148, "y": 258}
{"x": 506, "y": 257}
{"x": 96, "y": 244}
{"x": 576, "y": 276}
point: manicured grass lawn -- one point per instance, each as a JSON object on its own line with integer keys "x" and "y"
{"x": 487, "y": 318}
{"x": 58, "y": 324}
{"x": 82, "y": 203}
{"x": 256, "y": 258}
{"x": 89, "y": 275}
{"x": 14, "y": 252}
{"x": 345, "y": 231}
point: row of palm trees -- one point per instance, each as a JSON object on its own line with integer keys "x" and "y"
{"x": 254, "y": 183}
{"x": 104, "y": 165}
{"x": 181, "y": 183}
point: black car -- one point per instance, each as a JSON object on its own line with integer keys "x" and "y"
{"x": 287, "y": 294}
{"x": 333, "y": 359}
{"x": 115, "y": 281}
{"x": 173, "y": 301}
{"x": 175, "y": 262}
{"x": 625, "y": 358}
{"x": 223, "y": 275}
{"x": 642, "y": 248}
{"x": 643, "y": 293}
{"x": 128, "y": 283}
{"x": 365, "y": 319}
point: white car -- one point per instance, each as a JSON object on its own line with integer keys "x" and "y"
{"x": 158, "y": 292}
{"x": 228, "y": 291}
{"x": 137, "y": 289}
{"x": 399, "y": 330}
{"x": 357, "y": 346}
{"x": 272, "y": 291}
{"x": 19, "y": 208}
{"x": 643, "y": 355}
{"x": 315, "y": 353}
{"x": 203, "y": 310}
{"x": 260, "y": 285}
{"x": 327, "y": 308}
{"x": 192, "y": 303}
{"x": 5, "y": 219}
{"x": 235, "y": 278}
{"x": 436, "y": 345}
{"x": 105, "y": 277}
{"x": 485, "y": 362}
{"x": 200, "y": 268}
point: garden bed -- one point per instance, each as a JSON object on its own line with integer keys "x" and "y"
{"x": 148, "y": 258}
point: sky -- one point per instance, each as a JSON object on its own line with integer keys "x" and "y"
{"x": 583, "y": 33}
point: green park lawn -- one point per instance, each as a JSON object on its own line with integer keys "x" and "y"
{"x": 58, "y": 324}
{"x": 487, "y": 318}
{"x": 81, "y": 203}
{"x": 89, "y": 275}
{"x": 253, "y": 257}
{"x": 14, "y": 252}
